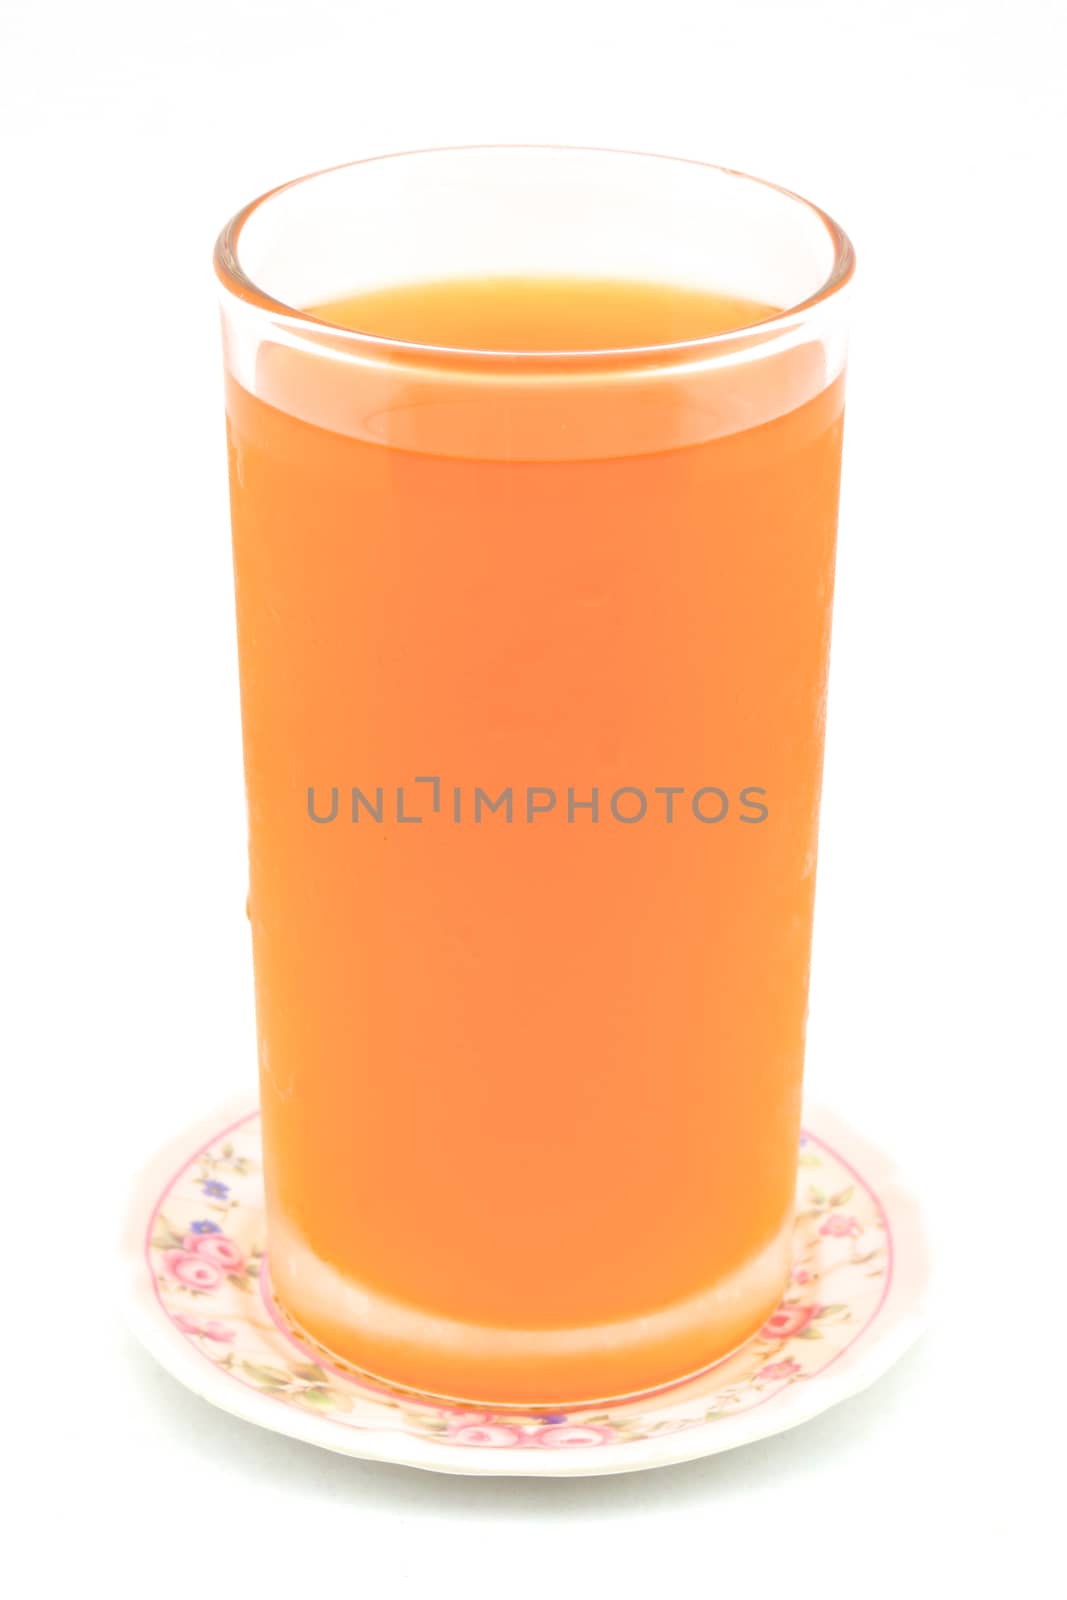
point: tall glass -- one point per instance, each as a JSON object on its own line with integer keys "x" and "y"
{"x": 533, "y": 653}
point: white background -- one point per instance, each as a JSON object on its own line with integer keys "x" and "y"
{"x": 933, "y": 131}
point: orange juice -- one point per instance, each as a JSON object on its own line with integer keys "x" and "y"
{"x": 533, "y": 750}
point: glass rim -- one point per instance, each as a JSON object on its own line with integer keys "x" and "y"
{"x": 235, "y": 280}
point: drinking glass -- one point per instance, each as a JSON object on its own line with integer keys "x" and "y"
{"x": 533, "y": 655}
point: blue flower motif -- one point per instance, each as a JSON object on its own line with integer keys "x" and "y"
{"x": 803, "y": 1140}
{"x": 214, "y": 1189}
{"x": 204, "y": 1227}
{"x": 557, "y": 1416}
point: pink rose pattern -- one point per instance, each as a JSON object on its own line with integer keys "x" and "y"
{"x": 205, "y": 1260}
{"x": 788, "y": 1321}
{"x": 493, "y": 1436}
{"x": 217, "y": 1331}
{"x": 839, "y": 1227}
{"x": 216, "y": 1248}
{"x": 781, "y": 1369}
{"x": 191, "y": 1271}
{"x": 564, "y": 1436}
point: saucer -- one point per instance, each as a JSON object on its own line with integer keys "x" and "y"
{"x": 199, "y": 1298}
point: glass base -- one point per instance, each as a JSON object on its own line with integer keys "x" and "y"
{"x": 401, "y": 1347}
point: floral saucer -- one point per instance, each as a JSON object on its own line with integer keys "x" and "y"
{"x": 198, "y": 1291}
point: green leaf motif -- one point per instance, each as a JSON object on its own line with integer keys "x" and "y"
{"x": 809, "y": 1333}
{"x": 166, "y": 1238}
{"x": 843, "y": 1196}
{"x": 415, "y": 1420}
{"x": 265, "y": 1375}
{"x": 830, "y": 1311}
{"x": 816, "y": 1196}
{"x": 318, "y": 1397}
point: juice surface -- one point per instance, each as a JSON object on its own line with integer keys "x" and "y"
{"x": 525, "y": 314}
{"x": 541, "y": 1076}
